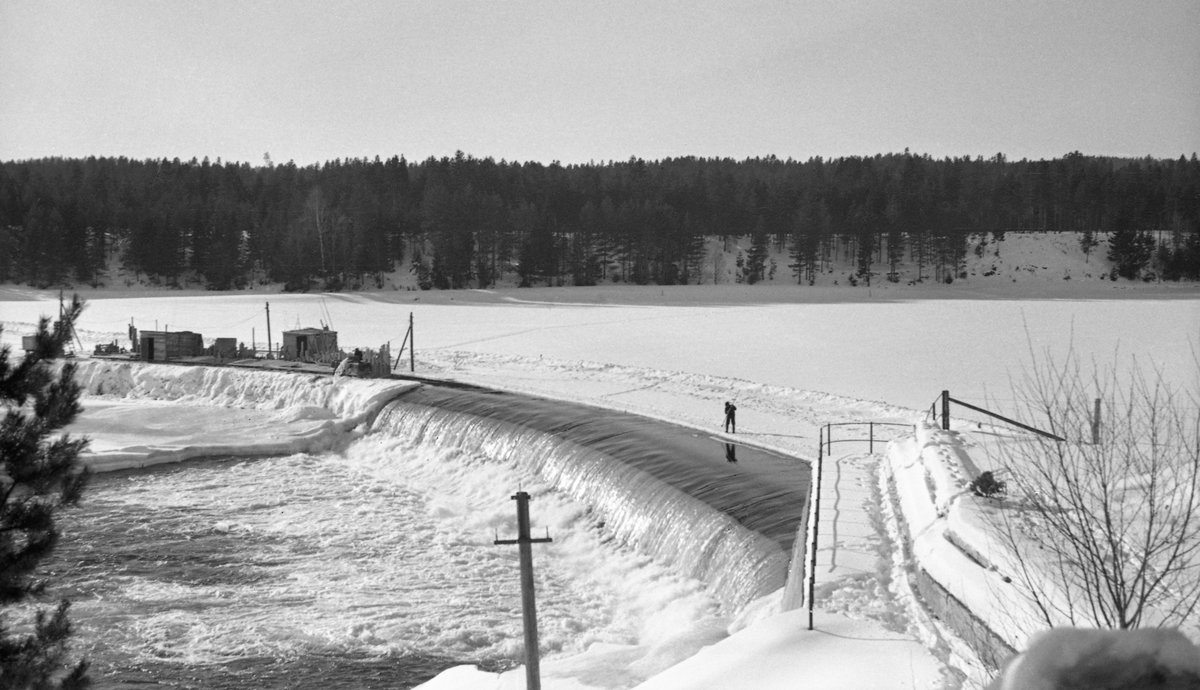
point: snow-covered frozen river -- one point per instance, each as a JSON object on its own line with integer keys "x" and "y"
{"x": 899, "y": 351}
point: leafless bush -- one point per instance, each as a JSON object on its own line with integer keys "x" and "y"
{"x": 1104, "y": 530}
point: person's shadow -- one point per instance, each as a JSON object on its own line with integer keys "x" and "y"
{"x": 730, "y": 452}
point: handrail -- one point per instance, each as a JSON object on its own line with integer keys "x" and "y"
{"x": 829, "y": 440}
{"x": 946, "y": 400}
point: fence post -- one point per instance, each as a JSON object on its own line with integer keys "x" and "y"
{"x": 871, "y": 437}
{"x": 268, "y": 330}
{"x": 946, "y": 410}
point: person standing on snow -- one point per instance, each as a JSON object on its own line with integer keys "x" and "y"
{"x": 730, "y": 417}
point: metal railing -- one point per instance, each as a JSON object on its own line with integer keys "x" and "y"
{"x": 869, "y": 440}
{"x": 945, "y": 416}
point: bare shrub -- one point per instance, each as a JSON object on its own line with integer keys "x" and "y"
{"x": 1105, "y": 531}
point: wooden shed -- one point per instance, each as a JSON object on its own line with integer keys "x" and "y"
{"x": 226, "y": 348}
{"x": 161, "y": 346}
{"x": 310, "y": 345}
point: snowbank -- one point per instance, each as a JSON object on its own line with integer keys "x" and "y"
{"x": 146, "y": 414}
{"x": 967, "y": 577}
{"x": 950, "y": 542}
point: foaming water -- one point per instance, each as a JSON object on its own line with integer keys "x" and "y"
{"x": 370, "y": 568}
{"x": 670, "y": 492}
{"x": 375, "y": 566}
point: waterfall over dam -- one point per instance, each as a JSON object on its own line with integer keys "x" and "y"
{"x": 325, "y": 528}
{"x": 725, "y": 513}
{"x": 713, "y": 509}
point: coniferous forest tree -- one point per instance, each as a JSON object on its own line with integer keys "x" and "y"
{"x": 467, "y": 222}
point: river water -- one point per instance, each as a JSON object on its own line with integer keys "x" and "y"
{"x": 370, "y": 567}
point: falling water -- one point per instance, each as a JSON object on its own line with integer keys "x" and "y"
{"x": 374, "y": 566}
{"x": 665, "y": 490}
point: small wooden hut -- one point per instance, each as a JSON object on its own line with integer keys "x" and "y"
{"x": 310, "y": 345}
{"x": 225, "y": 348}
{"x": 162, "y": 346}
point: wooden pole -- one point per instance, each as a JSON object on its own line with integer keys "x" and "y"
{"x": 1096, "y": 423}
{"x": 412, "y": 345}
{"x": 401, "y": 352}
{"x": 533, "y": 678}
{"x": 268, "y": 329}
{"x": 946, "y": 410}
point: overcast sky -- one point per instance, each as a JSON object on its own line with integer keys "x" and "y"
{"x": 597, "y": 80}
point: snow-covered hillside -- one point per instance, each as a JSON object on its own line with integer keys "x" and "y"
{"x": 1037, "y": 258}
{"x": 1024, "y": 262}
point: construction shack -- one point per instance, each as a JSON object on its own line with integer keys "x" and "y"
{"x": 162, "y": 346}
{"x": 310, "y": 345}
{"x": 225, "y": 348}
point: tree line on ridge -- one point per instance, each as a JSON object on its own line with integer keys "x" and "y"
{"x": 470, "y": 222}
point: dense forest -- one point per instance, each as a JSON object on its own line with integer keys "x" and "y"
{"x": 465, "y": 221}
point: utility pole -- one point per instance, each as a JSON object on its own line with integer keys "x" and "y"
{"x": 408, "y": 342}
{"x": 1096, "y": 424}
{"x": 268, "y": 330}
{"x": 71, "y": 326}
{"x": 533, "y": 676}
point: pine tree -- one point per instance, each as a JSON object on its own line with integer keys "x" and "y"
{"x": 1088, "y": 242}
{"x": 39, "y": 474}
{"x": 1129, "y": 249}
{"x": 756, "y": 261}
{"x": 864, "y": 257}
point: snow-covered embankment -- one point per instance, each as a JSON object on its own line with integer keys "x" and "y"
{"x": 957, "y": 580}
{"x": 146, "y": 414}
{"x": 968, "y": 575}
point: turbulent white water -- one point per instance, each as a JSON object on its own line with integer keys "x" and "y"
{"x": 664, "y": 490}
{"x": 372, "y": 564}
{"x": 383, "y": 551}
